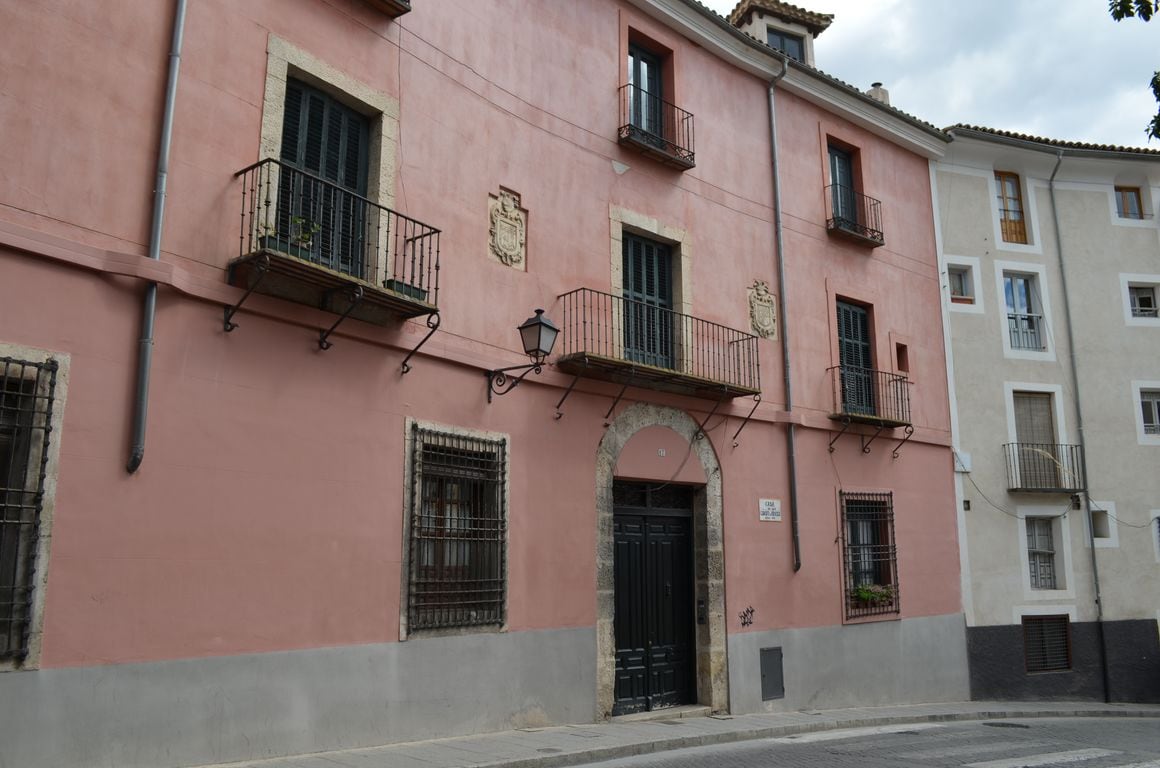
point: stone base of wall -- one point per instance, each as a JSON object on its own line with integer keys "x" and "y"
{"x": 884, "y": 662}
{"x": 998, "y": 668}
{"x": 233, "y": 708}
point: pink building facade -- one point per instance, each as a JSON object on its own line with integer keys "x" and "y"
{"x": 338, "y": 529}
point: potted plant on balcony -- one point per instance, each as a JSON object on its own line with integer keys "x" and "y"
{"x": 872, "y": 595}
{"x": 299, "y": 242}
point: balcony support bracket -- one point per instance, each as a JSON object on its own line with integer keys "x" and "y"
{"x": 560, "y": 414}
{"x": 700, "y": 433}
{"x": 842, "y": 431}
{"x": 432, "y": 323}
{"x": 866, "y": 443}
{"x": 356, "y": 296}
{"x": 263, "y": 267}
{"x": 909, "y": 430}
{"x": 619, "y": 395}
{"x": 753, "y": 410}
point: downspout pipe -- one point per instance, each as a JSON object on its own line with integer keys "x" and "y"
{"x": 1087, "y": 502}
{"x": 149, "y": 313}
{"x": 779, "y": 258}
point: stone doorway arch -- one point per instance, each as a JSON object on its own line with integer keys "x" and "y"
{"x": 709, "y": 556}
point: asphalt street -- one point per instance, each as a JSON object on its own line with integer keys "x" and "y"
{"x": 1079, "y": 742}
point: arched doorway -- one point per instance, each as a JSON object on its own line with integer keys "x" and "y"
{"x": 706, "y": 620}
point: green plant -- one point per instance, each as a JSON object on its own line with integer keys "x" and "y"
{"x": 302, "y": 230}
{"x": 873, "y": 594}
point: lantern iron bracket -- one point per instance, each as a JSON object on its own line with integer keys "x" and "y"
{"x": 499, "y": 381}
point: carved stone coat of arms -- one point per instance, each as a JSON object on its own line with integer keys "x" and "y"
{"x": 762, "y": 310}
{"x": 508, "y": 234}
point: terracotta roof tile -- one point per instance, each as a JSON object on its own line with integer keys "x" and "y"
{"x": 1080, "y": 145}
{"x": 816, "y": 23}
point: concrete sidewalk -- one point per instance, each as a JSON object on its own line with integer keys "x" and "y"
{"x": 577, "y": 744}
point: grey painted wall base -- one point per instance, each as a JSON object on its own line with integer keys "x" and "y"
{"x": 998, "y": 668}
{"x": 235, "y": 708}
{"x": 884, "y": 662}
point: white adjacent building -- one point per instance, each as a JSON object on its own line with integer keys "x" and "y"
{"x": 1050, "y": 257}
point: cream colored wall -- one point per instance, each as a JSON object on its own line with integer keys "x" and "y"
{"x": 1098, "y": 248}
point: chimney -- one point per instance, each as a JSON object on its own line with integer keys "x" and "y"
{"x": 879, "y": 93}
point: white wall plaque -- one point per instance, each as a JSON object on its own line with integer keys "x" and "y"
{"x": 769, "y": 510}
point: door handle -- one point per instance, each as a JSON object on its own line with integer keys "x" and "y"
{"x": 668, "y": 589}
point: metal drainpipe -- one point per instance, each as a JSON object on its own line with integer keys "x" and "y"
{"x": 1087, "y": 502}
{"x": 145, "y": 345}
{"x": 791, "y": 449}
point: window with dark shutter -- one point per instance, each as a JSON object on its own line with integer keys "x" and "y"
{"x": 1047, "y": 643}
{"x": 321, "y": 212}
{"x": 855, "y": 359}
{"x": 648, "y": 293}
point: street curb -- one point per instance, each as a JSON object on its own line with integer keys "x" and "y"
{"x": 598, "y": 754}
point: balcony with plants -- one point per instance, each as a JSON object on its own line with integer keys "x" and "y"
{"x": 854, "y": 216}
{"x": 655, "y": 127}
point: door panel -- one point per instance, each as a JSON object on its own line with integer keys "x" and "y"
{"x": 653, "y": 623}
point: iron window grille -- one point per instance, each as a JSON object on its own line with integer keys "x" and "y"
{"x": 1150, "y": 411}
{"x": 1041, "y": 552}
{"x": 458, "y": 531}
{"x": 27, "y": 390}
{"x": 870, "y": 558}
{"x": 1143, "y": 300}
{"x": 1047, "y": 643}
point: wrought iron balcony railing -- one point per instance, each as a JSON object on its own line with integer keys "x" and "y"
{"x": 324, "y": 235}
{"x": 850, "y": 213}
{"x": 614, "y": 338}
{"x": 1025, "y": 330}
{"x": 1044, "y": 467}
{"x": 656, "y": 127}
{"x": 869, "y": 396}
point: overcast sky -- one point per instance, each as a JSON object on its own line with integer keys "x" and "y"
{"x": 1062, "y": 69}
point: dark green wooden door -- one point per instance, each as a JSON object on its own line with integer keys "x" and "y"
{"x": 653, "y": 623}
{"x": 322, "y": 211}
{"x": 854, "y": 356}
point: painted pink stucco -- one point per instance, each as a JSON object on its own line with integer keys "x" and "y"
{"x": 659, "y": 453}
{"x": 268, "y": 513}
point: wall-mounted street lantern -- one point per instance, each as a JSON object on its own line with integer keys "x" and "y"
{"x": 538, "y": 335}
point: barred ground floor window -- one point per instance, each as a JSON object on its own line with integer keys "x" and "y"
{"x": 870, "y": 558}
{"x": 458, "y": 530}
{"x": 26, "y": 401}
{"x": 1047, "y": 643}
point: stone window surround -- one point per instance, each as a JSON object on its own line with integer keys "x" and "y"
{"x": 284, "y": 60}
{"x": 709, "y": 563}
{"x": 409, "y": 482}
{"x": 623, "y": 220}
{"x": 48, "y": 504}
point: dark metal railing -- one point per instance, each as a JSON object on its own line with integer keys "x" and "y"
{"x": 870, "y": 394}
{"x": 617, "y": 328}
{"x": 1025, "y": 330}
{"x": 870, "y": 557}
{"x": 651, "y": 120}
{"x": 1044, "y": 467}
{"x": 301, "y": 215}
{"x": 848, "y": 210}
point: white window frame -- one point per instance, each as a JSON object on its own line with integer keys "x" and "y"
{"x": 1129, "y": 280}
{"x": 970, "y": 265}
{"x": 1030, "y": 213}
{"x": 1138, "y": 389}
{"x": 1039, "y": 273}
{"x": 1147, "y": 206}
{"x": 1112, "y": 540}
{"x": 1154, "y": 523}
{"x": 1061, "y": 539}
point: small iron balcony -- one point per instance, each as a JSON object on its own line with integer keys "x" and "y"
{"x": 1025, "y": 331}
{"x": 867, "y": 396}
{"x": 851, "y": 214}
{"x": 655, "y": 127}
{"x": 318, "y": 240}
{"x": 1044, "y": 467}
{"x": 616, "y": 339}
{"x": 392, "y": 8}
